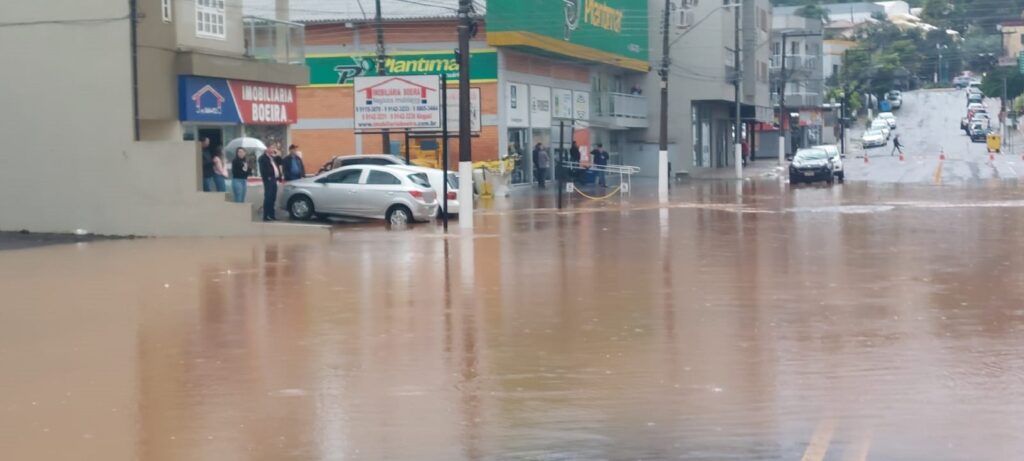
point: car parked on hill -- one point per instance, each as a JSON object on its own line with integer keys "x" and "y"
{"x": 873, "y": 138}
{"x": 398, "y": 194}
{"x": 895, "y": 98}
{"x": 889, "y": 118}
{"x": 882, "y": 125}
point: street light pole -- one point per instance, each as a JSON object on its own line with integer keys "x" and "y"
{"x": 465, "y": 137}
{"x": 663, "y": 135}
{"x": 382, "y": 57}
{"x": 736, "y": 87}
{"x": 782, "y": 104}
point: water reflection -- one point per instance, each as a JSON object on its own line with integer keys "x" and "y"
{"x": 760, "y": 330}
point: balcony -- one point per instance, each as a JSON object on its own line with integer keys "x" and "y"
{"x": 621, "y": 110}
{"x": 270, "y": 40}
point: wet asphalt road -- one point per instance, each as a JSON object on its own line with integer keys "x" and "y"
{"x": 929, "y": 125}
{"x": 869, "y": 320}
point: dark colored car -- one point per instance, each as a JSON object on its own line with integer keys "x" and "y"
{"x": 978, "y": 133}
{"x": 810, "y": 165}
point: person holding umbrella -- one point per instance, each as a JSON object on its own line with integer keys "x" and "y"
{"x": 240, "y": 173}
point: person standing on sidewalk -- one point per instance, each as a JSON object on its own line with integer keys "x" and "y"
{"x": 293, "y": 166}
{"x": 541, "y": 161}
{"x": 207, "y": 159}
{"x": 239, "y": 175}
{"x": 271, "y": 175}
{"x": 220, "y": 170}
{"x": 601, "y": 158}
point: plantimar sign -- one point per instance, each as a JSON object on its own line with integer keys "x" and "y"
{"x": 342, "y": 69}
{"x": 606, "y": 31}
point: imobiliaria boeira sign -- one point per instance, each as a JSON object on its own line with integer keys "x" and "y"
{"x": 408, "y": 102}
{"x": 205, "y": 99}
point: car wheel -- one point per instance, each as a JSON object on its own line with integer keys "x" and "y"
{"x": 842, "y": 176}
{"x": 399, "y": 215}
{"x": 300, "y": 208}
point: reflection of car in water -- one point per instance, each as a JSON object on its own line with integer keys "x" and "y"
{"x": 572, "y": 16}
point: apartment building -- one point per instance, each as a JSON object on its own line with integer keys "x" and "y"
{"x": 112, "y": 95}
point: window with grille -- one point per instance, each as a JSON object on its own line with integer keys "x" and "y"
{"x": 210, "y": 19}
{"x": 165, "y": 10}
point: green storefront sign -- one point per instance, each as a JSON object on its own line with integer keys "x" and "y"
{"x": 608, "y": 31}
{"x": 340, "y": 69}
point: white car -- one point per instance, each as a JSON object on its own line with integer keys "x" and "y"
{"x": 895, "y": 98}
{"x": 434, "y": 176}
{"x": 888, "y": 117}
{"x": 882, "y": 125}
{"x": 837, "y": 160}
{"x": 874, "y": 138}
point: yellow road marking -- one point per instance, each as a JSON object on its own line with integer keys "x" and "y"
{"x": 859, "y": 452}
{"x": 938, "y": 173}
{"x": 820, "y": 441}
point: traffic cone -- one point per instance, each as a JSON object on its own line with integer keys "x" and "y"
{"x": 901, "y": 156}
{"x": 865, "y": 157}
{"x": 942, "y": 155}
{"x": 991, "y": 157}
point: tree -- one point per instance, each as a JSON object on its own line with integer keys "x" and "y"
{"x": 812, "y": 9}
{"x": 992, "y": 84}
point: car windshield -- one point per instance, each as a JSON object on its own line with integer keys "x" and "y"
{"x": 811, "y": 155}
{"x": 420, "y": 179}
{"x": 453, "y": 180}
{"x": 873, "y": 133}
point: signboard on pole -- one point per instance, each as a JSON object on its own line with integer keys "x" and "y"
{"x": 412, "y": 102}
{"x": 561, "y": 103}
{"x": 581, "y": 106}
{"x": 474, "y": 110}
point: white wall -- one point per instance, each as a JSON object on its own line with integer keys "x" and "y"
{"x": 71, "y": 161}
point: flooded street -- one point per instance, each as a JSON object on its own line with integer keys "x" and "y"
{"x": 864, "y": 321}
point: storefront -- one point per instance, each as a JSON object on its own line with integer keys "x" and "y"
{"x": 326, "y": 128}
{"x": 222, "y": 109}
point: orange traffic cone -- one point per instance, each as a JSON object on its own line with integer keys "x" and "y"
{"x": 865, "y": 157}
{"x": 991, "y": 157}
{"x": 901, "y": 156}
{"x": 942, "y": 155}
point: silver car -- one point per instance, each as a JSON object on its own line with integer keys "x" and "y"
{"x": 397, "y": 194}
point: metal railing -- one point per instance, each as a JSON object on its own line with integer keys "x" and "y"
{"x": 627, "y": 105}
{"x": 625, "y": 172}
{"x": 274, "y": 41}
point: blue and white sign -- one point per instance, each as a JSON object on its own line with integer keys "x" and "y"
{"x": 204, "y": 99}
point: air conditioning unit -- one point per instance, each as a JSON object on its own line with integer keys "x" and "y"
{"x": 686, "y": 19}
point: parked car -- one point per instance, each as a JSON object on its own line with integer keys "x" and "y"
{"x": 873, "y": 138}
{"x": 978, "y": 132}
{"x": 837, "y": 160}
{"x": 363, "y": 159}
{"x": 961, "y": 82}
{"x": 395, "y": 193}
{"x": 975, "y": 98}
{"x": 889, "y": 118}
{"x": 895, "y": 98}
{"x": 433, "y": 174}
{"x": 810, "y": 165}
{"x": 882, "y": 125}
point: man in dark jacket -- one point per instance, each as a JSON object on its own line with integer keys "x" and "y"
{"x": 600, "y": 158}
{"x": 575, "y": 156}
{"x": 271, "y": 175}
{"x": 293, "y": 166}
{"x": 207, "y": 164}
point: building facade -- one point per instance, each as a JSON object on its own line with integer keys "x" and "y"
{"x": 100, "y": 118}
{"x": 702, "y": 70}
{"x": 534, "y": 80}
{"x": 1013, "y": 40}
{"x": 803, "y": 82}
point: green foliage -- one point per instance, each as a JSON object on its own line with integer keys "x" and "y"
{"x": 812, "y": 9}
{"x": 992, "y": 84}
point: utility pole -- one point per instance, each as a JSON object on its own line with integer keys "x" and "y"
{"x": 738, "y": 4}
{"x": 783, "y": 116}
{"x": 663, "y": 135}
{"x": 1005, "y": 114}
{"x": 465, "y": 136}
{"x": 382, "y": 57}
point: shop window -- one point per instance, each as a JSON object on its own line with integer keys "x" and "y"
{"x": 210, "y": 19}
{"x": 165, "y": 10}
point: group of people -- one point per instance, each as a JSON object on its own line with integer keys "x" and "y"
{"x": 542, "y": 162}
{"x": 273, "y": 170}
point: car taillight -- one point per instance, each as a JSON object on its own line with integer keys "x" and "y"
{"x": 416, "y": 194}
{"x": 452, "y": 195}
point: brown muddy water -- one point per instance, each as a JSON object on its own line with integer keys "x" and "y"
{"x": 851, "y": 323}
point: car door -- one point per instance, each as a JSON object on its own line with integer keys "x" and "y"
{"x": 338, "y": 191}
{"x": 379, "y": 191}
